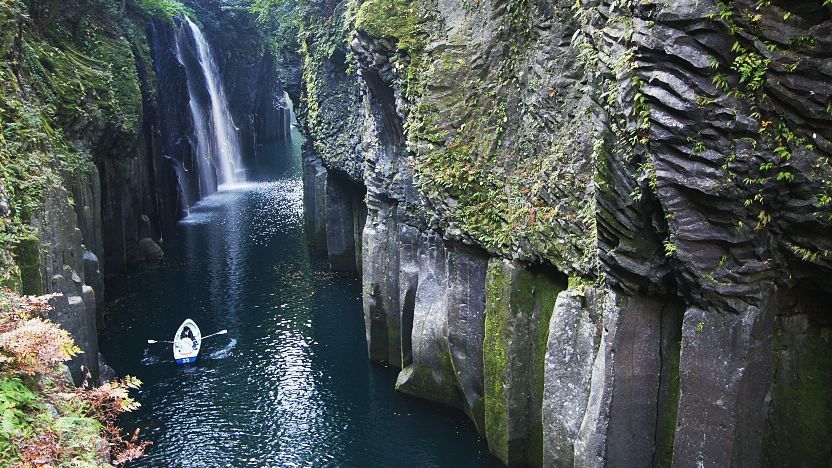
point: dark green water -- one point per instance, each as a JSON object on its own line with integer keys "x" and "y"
{"x": 291, "y": 383}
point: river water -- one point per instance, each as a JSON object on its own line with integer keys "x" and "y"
{"x": 291, "y": 384}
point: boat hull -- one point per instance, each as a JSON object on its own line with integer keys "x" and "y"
{"x": 187, "y": 355}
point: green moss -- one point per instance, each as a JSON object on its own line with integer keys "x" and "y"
{"x": 495, "y": 358}
{"x": 89, "y": 78}
{"x": 519, "y": 305}
{"x": 545, "y": 292}
{"x": 27, "y": 257}
{"x": 70, "y": 84}
{"x": 497, "y": 172}
{"x": 390, "y": 18}
{"x": 803, "y": 400}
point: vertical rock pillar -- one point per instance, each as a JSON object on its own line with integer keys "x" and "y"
{"x": 340, "y": 228}
{"x": 430, "y": 375}
{"x": 519, "y": 305}
{"x": 314, "y": 202}
{"x": 380, "y": 278}
{"x": 725, "y": 371}
{"x": 574, "y": 337}
{"x": 466, "y": 327}
{"x": 62, "y": 271}
{"x": 624, "y": 416}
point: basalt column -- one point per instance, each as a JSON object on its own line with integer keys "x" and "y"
{"x": 344, "y": 208}
{"x": 519, "y": 305}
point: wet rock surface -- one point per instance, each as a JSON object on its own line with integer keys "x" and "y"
{"x": 671, "y": 159}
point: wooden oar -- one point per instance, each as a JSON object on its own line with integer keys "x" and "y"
{"x": 221, "y": 332}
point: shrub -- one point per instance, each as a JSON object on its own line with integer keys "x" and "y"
{"x": 44, "y": 419}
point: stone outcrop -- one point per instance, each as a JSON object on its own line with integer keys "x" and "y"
{"x": 670, "y": 159}
{"x": 575, "y": 331}
{"x": 62, "y": 271}
{"x": 465, "y": 303}
{"x": 519, "y": 304}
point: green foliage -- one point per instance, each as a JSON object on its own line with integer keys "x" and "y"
{"x": 70, "y": 82}
{"x": 751, "y": 67}
{"x": 282, "y": 20}
{"x": 90, "y": 77}
{"x": 390, "y": 18}
{"x": 669, "y": 248}
{"x": 754, "y": 57}
{"x": 17, "y": 405}
{"x": 162, "y": 9}
{"x": 20, "y": 414}
{"x": 45, "y": 420}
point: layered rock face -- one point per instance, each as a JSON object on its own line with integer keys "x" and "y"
{"x": 601, "y": 229}
{"x": 74, "y": 116}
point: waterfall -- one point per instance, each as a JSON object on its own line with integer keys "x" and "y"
{"x": 216, "y": 141}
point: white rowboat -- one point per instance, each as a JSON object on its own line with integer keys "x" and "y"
{"x": 186, "y": 348}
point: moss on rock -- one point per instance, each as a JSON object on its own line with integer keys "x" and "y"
{"x": 519, "y": 305}
{"x": 390, "y": 18}
{"x": 495, "y": 358}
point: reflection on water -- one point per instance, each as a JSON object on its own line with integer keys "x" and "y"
{"x": 291, "y": 383}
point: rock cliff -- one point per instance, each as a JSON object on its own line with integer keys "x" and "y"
{"x": 600, "y": 228}
{"x": 98, "y": 147}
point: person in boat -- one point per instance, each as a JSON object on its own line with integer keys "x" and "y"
{"x": 187, "y": 339}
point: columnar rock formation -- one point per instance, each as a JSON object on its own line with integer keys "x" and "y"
{"x": 601, "y": 229}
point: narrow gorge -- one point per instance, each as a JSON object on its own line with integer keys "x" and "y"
{"x": 589, "y": 233}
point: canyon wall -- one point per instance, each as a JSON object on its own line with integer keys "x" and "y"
{"x": 601, "y": 229}
{"x": 98, "y": 146}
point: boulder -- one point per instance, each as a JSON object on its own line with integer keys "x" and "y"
{"x": 150, "y": 251}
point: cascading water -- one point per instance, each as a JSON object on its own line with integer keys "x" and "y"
{"x": 217, "y": 144}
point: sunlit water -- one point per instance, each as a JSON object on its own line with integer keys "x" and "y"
{"x": 290, "y": 385}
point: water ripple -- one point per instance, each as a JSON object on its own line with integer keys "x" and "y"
{"x": 290, "y": 385}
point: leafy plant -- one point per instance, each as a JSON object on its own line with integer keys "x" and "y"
{"x": 163, "y": 9}
{"x": 751, "y": 67}
{"x": 45, "y": 420}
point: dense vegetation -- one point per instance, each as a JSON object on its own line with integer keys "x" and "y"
{"x": 46, "y": 420}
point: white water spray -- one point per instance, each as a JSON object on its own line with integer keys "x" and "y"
{"x": 217, "y": 142}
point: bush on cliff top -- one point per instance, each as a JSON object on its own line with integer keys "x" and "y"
{"x": 389, "y": 18}
{"x": 45, "y": 420}
{"x": 162, "y": 9}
